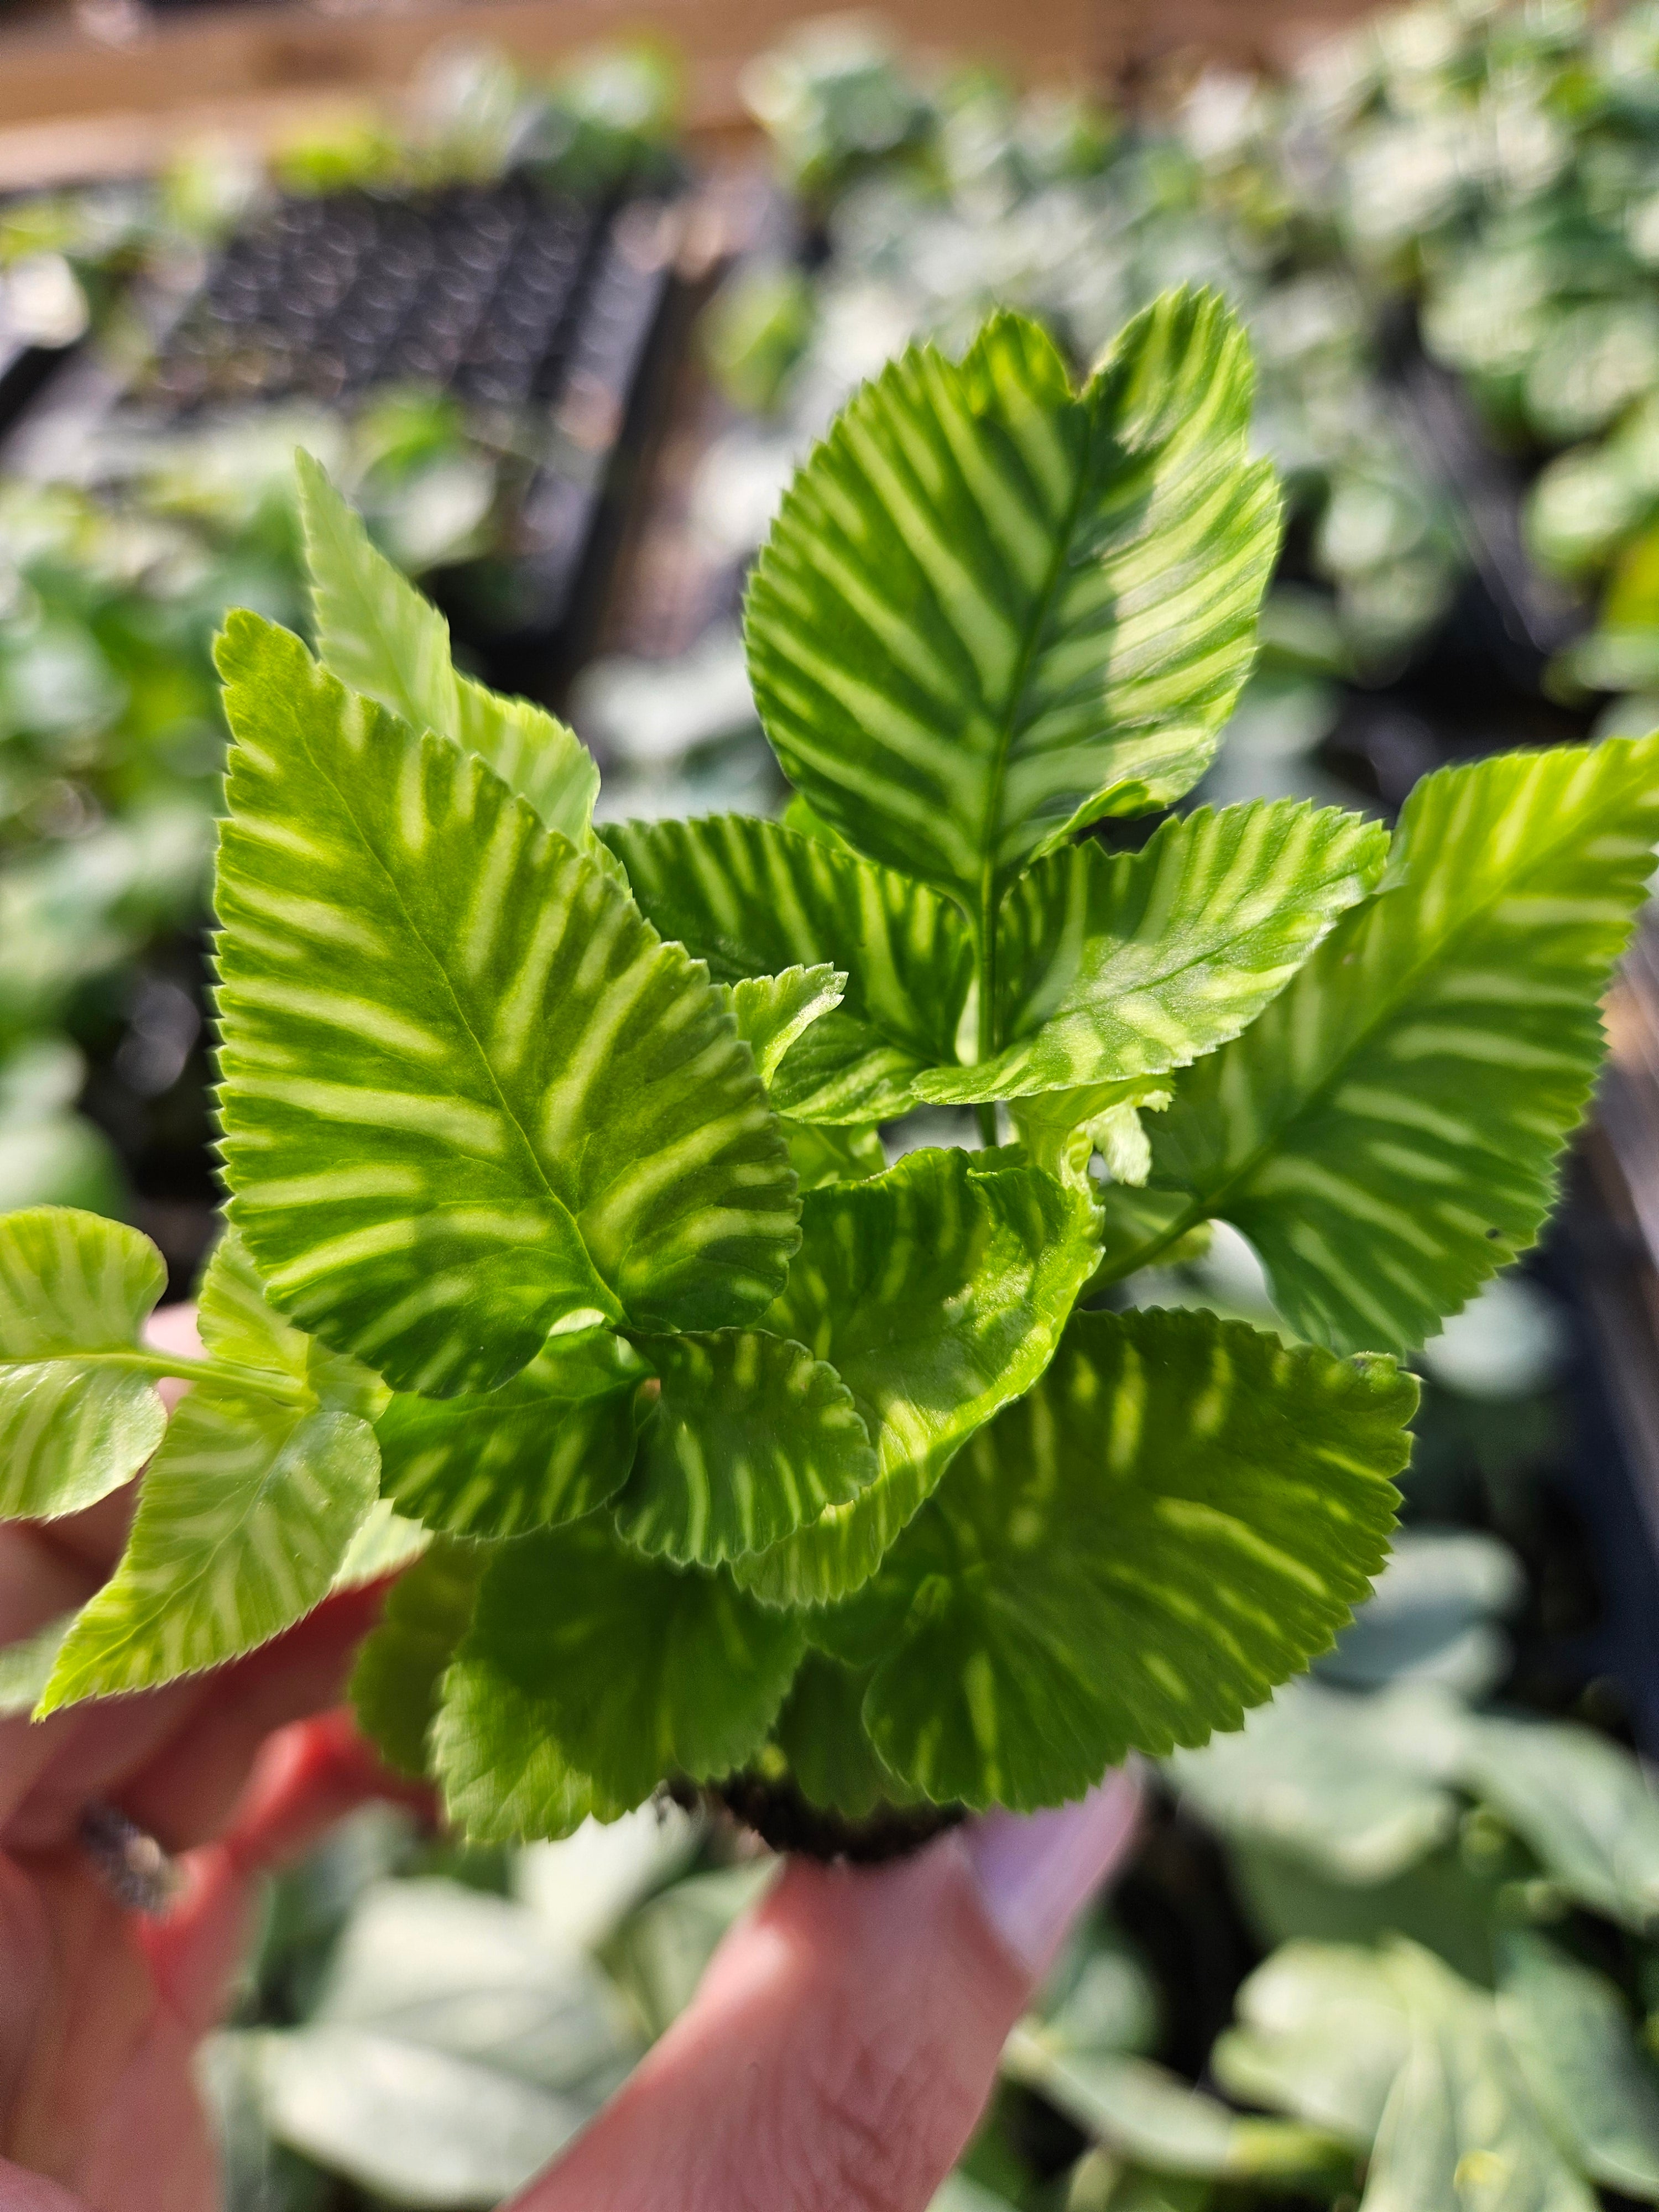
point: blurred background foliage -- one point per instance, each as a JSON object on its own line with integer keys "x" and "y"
{"x": 1413, "y": 1907}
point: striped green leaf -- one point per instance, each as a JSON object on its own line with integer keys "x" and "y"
{"x": 1167, "y": 1527}
{"x": 380, "y": 637}
{"x": 1386, "y": 1134}
{"x": 241, "y": 1329}
{"x": 249, "y": 1509}
{"x": 938, "y": 1293}
{"x": 820, "y": 1153}
{"x": 589, "y": 1674}
{"x": 243, "y": 1517}
{"x": 386, "y": 1543}
{"x": 395, "y": 1683}
{"x": 469, "y": 1096}
{"x": 553, "y": 1442}
{"x": 992, "y": 609}
{"x": 1116, "y": 966}
{"x": 771, "y": 1012}
{"x": 78, "y": 1414}
{"x": 752, "y": 1439}
{"x": 1047, "y": 1122}
{"x": 752, "y": 898}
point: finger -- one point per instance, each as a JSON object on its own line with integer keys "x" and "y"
{"x": 172, "y": 1329}
{"x": 175, "y": 1760}
{"x": 26, "y": 2192}
{"x": 185, "y": 1792}
{"x": 308, "y": 1776}
{"x": 846, "y": 2039}
{"x": 49, "y": 1568}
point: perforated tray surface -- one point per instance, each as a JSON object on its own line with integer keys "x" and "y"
{"x": 477, "y": 290}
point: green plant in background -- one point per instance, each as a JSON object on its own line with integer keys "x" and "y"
{"x": 119, "y": 557}
{"x": 560, "y": 1222}
{"x": 941, "y": 197}
{"x": 1459, "y": 1908}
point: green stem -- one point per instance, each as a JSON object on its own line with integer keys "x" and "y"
{"x": 181, "y": 1368}
{"x": 985, "y": 961}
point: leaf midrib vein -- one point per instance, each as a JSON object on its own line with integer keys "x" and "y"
{"x": 1208, "y": 1207}
{"x": 1019, "y": 685}
{"x": 433, "y": 955}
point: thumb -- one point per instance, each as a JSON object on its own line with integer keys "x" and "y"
{"x": 846, "y": 2037}
{"x": 27, "y": 2193}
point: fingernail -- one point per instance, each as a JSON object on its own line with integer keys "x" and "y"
{"x": 1038, "y": 1871}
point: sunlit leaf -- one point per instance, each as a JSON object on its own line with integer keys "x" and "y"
{"x": 992, "y": 609}
{"x": 382, "y": 638}
{"x": 243, "y": 1520}
{"x": 1165, "y": 1529}
{"x": 772, "y": 1011}
{"x": 1113, "y": 966}
{"x": 469, "y": 1094}
{"x": 553, "y": 1442}
{"x": 239, "y": 1325}
{"x": 73, "y": 1426}
{"x": 938, "y": 1293}
{"x": 751, "y": 1439}
{"x": 752, "y": 898}
{"x": 1386, "y": 1134}
{"x": 385, "y": 1544}
{"x": 590, "y": 1672}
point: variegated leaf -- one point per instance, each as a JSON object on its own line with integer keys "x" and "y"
{"x": 245, "y": 1515}
{"x": 1047, "y": 1122}
{"x": 469, "y": 1096}
{"x": 395, "y": 1683}
{"x": 752, "y": 898}
{"x": 771, "y": 1012}
{"x": 938, "y": 1293}
{"x": 1116, "y": 966}
{"x": 1569, "y": 2027}
{"x": 540, "y": 1726}
{"x": 1181, "y": 1513}
{"x": 992, "y": 609}
{"x": 380, "y": 637}
{"x": 386, "y": 1543}
{"x": 1460, "y": 2126}
{"x": 79, "y": 1415}
{"x": 752, "y": 1439}
{"x": 1386, "y": 1134}
{"x": 241, "y": 1329}
{"x": 553, "y": 1442}
{"x": 820, "y": 1153}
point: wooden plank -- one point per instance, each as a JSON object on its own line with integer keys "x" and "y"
{"x": 74, "y": 106}
{"x": 210, "y": 57}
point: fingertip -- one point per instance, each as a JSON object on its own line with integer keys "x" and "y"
{"x": 1036, "y": 1871}
{"x": 846, "y": 2036}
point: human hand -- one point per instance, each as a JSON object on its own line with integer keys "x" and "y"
{"x": 837, "y": 2055}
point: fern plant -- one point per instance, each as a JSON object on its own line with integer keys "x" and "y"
{"x": 565, "y": 1259}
